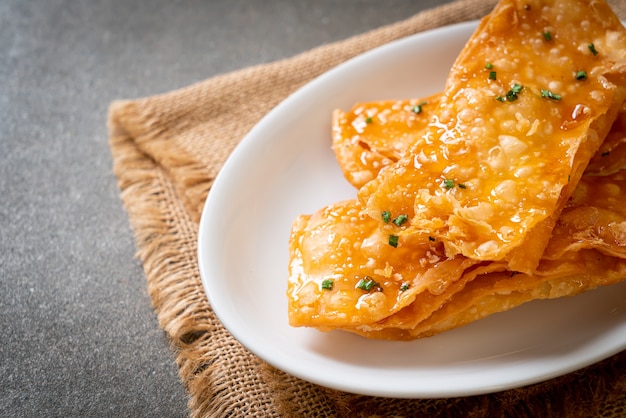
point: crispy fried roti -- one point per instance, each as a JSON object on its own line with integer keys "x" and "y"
{"x": 345, "y": 271}
{"x": 514, "y": 129}
{"x": 345, "y": 275}
{"x": 461, "y": 192}
{"x": 456, "y": 225}
{"x": 377, "y": 145}
{"x": 363, "y": 149}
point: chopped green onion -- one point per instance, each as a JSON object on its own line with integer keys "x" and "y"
{"x": 492, "y": 75}
{"x": 581, "y": 75}
{"x": 449, "y": 184}
{"x": 418, "y": 108}
{"x": 593, "y": 49}
{"x": 369, "y": 119}
{"x": 366, "y": 283}
{"x": 404, "y": 287}
{"x": 400, "y": 220}
{"x": 500, "y": 98}
{"x": 547, "y": 36}
{"x": 386, "y": 216}
{"x": 393, "y": 240}
{"x": 549, "y": 95}
{"x": 327, "y": 284}
{"x": 511, "y": 95}
{"x": 489, "y": 66}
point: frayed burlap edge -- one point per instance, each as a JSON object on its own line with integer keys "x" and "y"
{"x": 190, "y": 177}
{"x": 165, "y": 237}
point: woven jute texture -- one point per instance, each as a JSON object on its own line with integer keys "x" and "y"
{"x": 167, "y": 150}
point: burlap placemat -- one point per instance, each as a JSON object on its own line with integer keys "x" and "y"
{"x": 167, "y": 149}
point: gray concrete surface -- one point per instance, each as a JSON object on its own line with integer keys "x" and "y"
{"x": 78, "y": 334}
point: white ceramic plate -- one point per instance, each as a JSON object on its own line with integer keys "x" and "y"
{"x": 285, "y": 167}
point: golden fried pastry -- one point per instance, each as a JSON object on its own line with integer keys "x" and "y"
{"x": 344, "y": 275}
{"x": 481, "y": 205}
{"x": 345, "y": 271}
{"x": 515, "y": 127}
{"x": 362, "y": 149}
